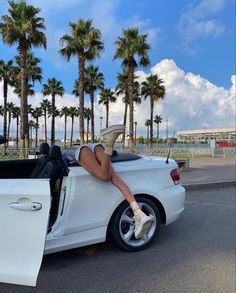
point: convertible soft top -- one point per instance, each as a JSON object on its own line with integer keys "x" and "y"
{"x": 120, "y": 157}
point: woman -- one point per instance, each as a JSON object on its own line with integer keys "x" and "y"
{"x": 96, "y": 159}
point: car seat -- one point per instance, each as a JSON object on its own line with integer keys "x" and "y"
{"x": 54, "y": 167}
{"x": 54, "y": 170}
{"x": 42, "y": 161}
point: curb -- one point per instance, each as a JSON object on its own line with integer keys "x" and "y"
{"x": 209, "y": 185}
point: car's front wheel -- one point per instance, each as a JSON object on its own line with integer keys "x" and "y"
{"x": 122, "y": 225}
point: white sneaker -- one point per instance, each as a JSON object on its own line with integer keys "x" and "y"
{"x": 141, "y": 226}
{"x": 110, "y": 135}
{"x": 118, "y": 128}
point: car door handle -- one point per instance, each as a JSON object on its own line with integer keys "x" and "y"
{"x": 33, "y": 206}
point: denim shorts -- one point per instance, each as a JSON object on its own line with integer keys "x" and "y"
{"x": 91, "y": 146}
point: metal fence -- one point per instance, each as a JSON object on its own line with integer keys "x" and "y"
{"x": 183, "y": 151}
{"x": 176, "y": 152}
{"x": 13, "y": 153}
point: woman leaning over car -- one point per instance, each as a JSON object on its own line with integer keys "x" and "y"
{"x": 96, "y": 159}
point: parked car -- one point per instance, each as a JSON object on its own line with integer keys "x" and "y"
{"x": 64, "y": 208}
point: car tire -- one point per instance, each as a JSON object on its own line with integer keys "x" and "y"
{"x": 121, "y": 227}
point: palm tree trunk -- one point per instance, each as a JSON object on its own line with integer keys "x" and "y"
{"x": 31, "y": 136}
{"x": 124, "y": 122}
{"x": 36, "y": 132}
{"x": 53, "y": 121}
{"x": 131, "y": 107}
{"x": 157, "y": 131}
{"x": 45, "y": 125}
{"x": 5, "y": 112}
{"x": 65, "y": 131}
{"x": 92, "y": 116}
{"x": 87, "y": 130}
{"x": 8, "y": 127}
{"x": 107, "y": 113}
{"x": 27, "y": 114}
{"x": 72, "y": 130}
{"x": 81, "y": 97}
{"x": 17, "y": 132}
{"x": 151, "y": 118}
{"x": 23, "y": 97}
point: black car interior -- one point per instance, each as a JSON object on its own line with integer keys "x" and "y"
{"x": 55, "y": 170}
{"x": 42, "y": 161}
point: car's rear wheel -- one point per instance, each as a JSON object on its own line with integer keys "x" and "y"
{"x": 122, "y": 225}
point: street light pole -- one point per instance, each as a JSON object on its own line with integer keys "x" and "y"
{"x": 101, "y": 123}
{"x": 100, "y": 126}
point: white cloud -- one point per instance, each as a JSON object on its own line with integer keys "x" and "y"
{"x": 191, "y": 102}
{"x": 199, "y": 22}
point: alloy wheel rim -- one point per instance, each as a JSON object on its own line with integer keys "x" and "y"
{"x": 126, "y": 226}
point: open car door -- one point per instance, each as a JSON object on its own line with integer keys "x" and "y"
{"x": 24, "y": 213}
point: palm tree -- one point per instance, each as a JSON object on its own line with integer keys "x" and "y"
{"x": 87, "y": 116}
{"x": 23, "y": 26}
{"x": 32, "y": 125}
{"x": 57, "y": 113}
{"x": 157, "y": 120}
{"x": 53, "y": 88}
{"x": 33, "y": 71}
{"x": 148, "y": 124}
{"x": 84, "y": 43}
{"x": 6, "y": 70}
{"x": 73, "y": 112}
{"x": 10, "y": 109}
{"x": 153, "y": 87}
{"x": 130, "y": 47}
{"x": 17, "y": 88}
{"x": 106, "y": 97}
{"x": 16, "y": 115}
{"x": 45, "y": 105}
{"x": 36, "y": 114}
{"x": 122, "y": 88}
{"x": 93, "y": 80}
{"x": 65, "y": 111}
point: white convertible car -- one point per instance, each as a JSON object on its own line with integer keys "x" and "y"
{"x": 45, "y": 208}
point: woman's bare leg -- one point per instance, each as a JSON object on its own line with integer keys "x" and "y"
{"x": 142, "y": 221}
{"x": 101, "y": 170}
{"x": 99, "y": 165}
{"x": 115, "y": 179}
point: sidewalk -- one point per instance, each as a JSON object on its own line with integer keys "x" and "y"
{"x": 209, "y": 172}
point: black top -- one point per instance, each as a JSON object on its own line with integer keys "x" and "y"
{"x": 122, "y": 157}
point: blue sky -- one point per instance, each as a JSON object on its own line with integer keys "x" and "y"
{"x": 198, "y": 36}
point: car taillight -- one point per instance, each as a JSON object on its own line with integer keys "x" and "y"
{"x": 174, "y": 174}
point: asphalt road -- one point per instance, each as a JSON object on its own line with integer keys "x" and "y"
{"x": 194, "y": 254}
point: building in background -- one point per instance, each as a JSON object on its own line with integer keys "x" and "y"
{"x": 222, "y": 134}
